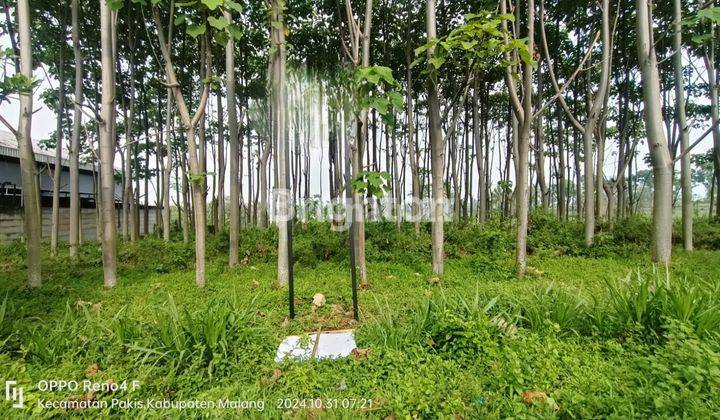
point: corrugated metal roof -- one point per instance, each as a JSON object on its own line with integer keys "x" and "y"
{"x": 9, "y": 147}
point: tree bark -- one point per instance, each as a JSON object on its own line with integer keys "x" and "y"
{"x": 107, "y": 147}
{"x": 197, "y": 175}
{"x": 234, "y": 150}
{"x": 659, "y": 151}
{"x": 685, "y": 174}
{"x": 31, "y": 195}
{"x": 280, "y": 135}
{"x": 57, "y": 171}
{"x": 74, "y": 152}
{"x": 437, "y": 150}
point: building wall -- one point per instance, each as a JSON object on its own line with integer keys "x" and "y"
{"x": 10, "y": 173}
{"x": 11, "y": 223}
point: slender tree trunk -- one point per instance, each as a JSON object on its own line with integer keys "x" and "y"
{"x": 659, "y": 151}
{"x": 57, "y": 171}
{"x": 168, "y": 166}
{"x": 562, "y": 181}
{"x": 29, "y": 178}
{"x": 713, "y": 87}
{"x": 220, "y": 222}
{"x": 482, "y": 198}
{"x": 107, "y": 147}
{"x": 262, "y": 216}
{"x": 197, "y": 174}
{"x": 412, "y": 146}
{"x": 279, "y": 132}
{"x": 74, "y": 152}
{"x": 234, "y": 150}
{"x": 685, "y": 174}
{"x": 437, "y": 150}
{"x": 540, "y": 150}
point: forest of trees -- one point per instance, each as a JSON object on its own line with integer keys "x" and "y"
{"x": 214, "y": 110}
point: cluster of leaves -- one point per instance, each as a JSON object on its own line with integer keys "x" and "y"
{"x": 16, "y": 83}
{"x": 700, "y": 22}
{"x": 372, "y": 183}
{"x": 481, "y": 41}
{"x": 198, "y": 16}
{"x": 376, "y": 88}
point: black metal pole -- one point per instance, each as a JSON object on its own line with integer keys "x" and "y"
{"x": 290, "y": 209}
{"x": 350, "y": 215}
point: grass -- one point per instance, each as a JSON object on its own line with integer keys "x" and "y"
{"x": 584, "y": 335}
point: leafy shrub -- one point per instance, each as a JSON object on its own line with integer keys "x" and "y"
{"x": 152, "y": 254}
{"x": 706, "y": 233}
{"x": 553, "y": 308}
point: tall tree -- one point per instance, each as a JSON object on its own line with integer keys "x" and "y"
{"x": 437, "y": 148}
{"x": 74, "y": 152}
{"x": 234, "y": 140}
{"x": 107, "y": 145}
{"x": 685, "y": 175}
{"x": 32, "y": 223}
{"x": 662, "y": 164}
{"x": 280, "y": 137}
{"x": 190, "y": 123}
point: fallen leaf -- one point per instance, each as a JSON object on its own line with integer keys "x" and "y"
{"x": 318, "y": 299}
{"x": 337, "y": 308}
{"x": 364, "y": 286}
{"x": 427, "y": 293}
{"x": 285, "y": 322}
{"x": 245, "y": 261}
{"x": 534, "y": 396}
{"x": 96, "y": 307}
{"x": 277, "y": 373}
{"x": 255, "y": 283}
{"x": 434, "y": 280}
{"x": 92, "y": 370}
{"x": 360, "y": 353}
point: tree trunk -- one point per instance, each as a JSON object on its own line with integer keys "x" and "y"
{"x": 197, "y": 174}
{"x": 412, "y": 146}
{"x": 74, "y": 152}
{"x": 279, "y": 132}
{"x": 234, "y": 201}
{"x": 685, "y": 169}
{"x": 57, "y": 171}
{"x": 107, "y": 147}
{"x": 166, "y": 162}
{"x": 659, "y": 152}
{"x": 30, "y": 189}
{"x": 220, "y": 221}
{"x": 437, "y": 150}
{"x": 482, "y": 198}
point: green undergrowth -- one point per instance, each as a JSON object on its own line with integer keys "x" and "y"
{"x": 589, "y": 332}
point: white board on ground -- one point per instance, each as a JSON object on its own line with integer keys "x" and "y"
{"x": 317, "y": 345}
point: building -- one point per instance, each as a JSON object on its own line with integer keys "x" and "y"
{"x": 11, "y": 197}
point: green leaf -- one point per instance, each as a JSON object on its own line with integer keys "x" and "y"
{"x": 710, "y": 13}
{"x": 218, "y": 23}
{"x": 235, "y": 31}
{"x": 195, "y": 30}
{"x": 115, "y": 5}
{"x": 180, "y": 19}
{"x": 212, "y": 4}
{"x": 230, "y": 4}
{"x": 437, "y": 61}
